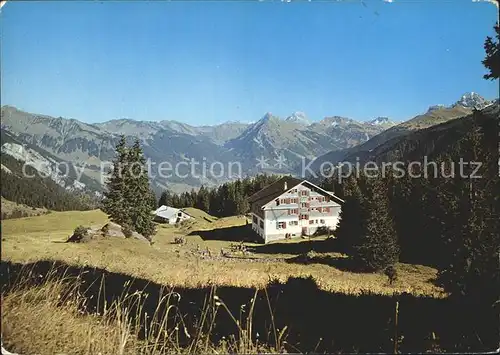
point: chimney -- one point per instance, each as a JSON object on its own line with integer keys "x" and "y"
{"x": 285, "y": 186}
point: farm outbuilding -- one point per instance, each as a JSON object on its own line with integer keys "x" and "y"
{"x": 170, "y": 215}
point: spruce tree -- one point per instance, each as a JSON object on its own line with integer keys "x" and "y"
{"x": 203, "y": 199}
{"x": 165, "y": 199}
{"x": 352, "y": 216}
{"x": 377, "y": 247}
{"x": 115, "y": 203}
{"x": 138, "y": 192}
{"x": 492, "y": 59}
{"x": 473, "y": 268}
{"x": 129, "y": 197}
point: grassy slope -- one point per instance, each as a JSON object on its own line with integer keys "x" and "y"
{"x": 35, "y": 238}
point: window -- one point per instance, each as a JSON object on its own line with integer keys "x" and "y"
{"x": 304, "y": 193}
{"x": 294, "y": 223}
{"x": 281, "y": 225}
{"x": 304, "y": 216}
{"x": 316, "y": 221}
{"x": 326, "y": 209}
{"x": 254, "y": 219}
{"x": 311, "y": 221}
{"x": 304, "y": 204}
{"x": 321, "y": 199}
{"x": 293, "y": 211}
{"x": 261, "y": 225}
{"x": 327, "y": 198}
{"x": 322, "y": 221}
{"x": 287, "y": 201}
{"x": 277, "y": 202}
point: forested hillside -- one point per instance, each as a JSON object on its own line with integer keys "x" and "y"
{"x": 37, "y": 191}
{"x": 449, "y": 219}
{"x": 229, "y": 199}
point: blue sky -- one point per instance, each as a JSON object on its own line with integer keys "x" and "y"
{"x": 206, "y": 63}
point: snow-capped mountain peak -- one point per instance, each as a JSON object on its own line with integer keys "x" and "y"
{"x": 473, "y": 100}
{"x": 298, "y": 117}
{"x": 381, "y": 121}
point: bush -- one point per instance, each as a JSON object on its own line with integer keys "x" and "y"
{"x": 179, "y": 240}
{"x": 323, "y": 230}
{"x": 127, "y": 231}
{"x": 80, "y": 234}
{"x": 391, "y": 273}
{"x": 80, "y": 231}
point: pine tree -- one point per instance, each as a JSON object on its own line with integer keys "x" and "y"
{"x": 203, "y": 199}
{"x": 129, "y": 197}
{"x": 492, "y": 59}
{"x": 138, "y": 192}
{"x": 473, "y": 268}
{"x": 115, "y": 203}
{"x": 165, "y": 199}
{"x": 352, "y": 216}
{"x": 377, "y": 247}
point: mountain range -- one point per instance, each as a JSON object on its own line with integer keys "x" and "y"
{"x": 271, "y": 144}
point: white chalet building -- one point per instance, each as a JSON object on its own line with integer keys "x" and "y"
{"x": 292, "y": 207}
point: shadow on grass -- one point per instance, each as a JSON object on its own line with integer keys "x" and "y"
{"x": 316, "y": 320}
{"x": 298, "y": 247}
{"x": 340, "y": 263}
{"x": 242, "y": 233}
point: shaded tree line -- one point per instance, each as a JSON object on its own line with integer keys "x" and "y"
{"x": 449, "y": 220}
{"x": 229, "y": 199}
{"x": 36, "y": 191}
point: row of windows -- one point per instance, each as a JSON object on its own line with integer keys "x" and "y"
{"x": 282, "y": 201}
{"x": 295, "y": 211}
{"x": 255, "y": 220}
{"x": 282, "y": 225}
{"x": 315, "y": 221}
{"x": 286, "y": 201}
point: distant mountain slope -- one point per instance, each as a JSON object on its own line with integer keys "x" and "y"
{"x": 202, "y": 155}
{"x": 295, "y": 140}
{"x": 433, "y": 141}
{"x": 174, "y": 143}
{"x": 435, "y": 115}
{"x": 24, "y": 184}
{"x": 218, "y": 134}
{"x": 91, "y": 146}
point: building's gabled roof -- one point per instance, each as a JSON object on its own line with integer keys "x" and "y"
{"x": 168, "y": 212}
{"x": 335, "y": 197}
{"x": 274, "y": 190}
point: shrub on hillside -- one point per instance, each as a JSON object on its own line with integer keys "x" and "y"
{"x": 127, "y": 231}
{"x": 179, "y": 240}
{"x": 80, "y": 234}
{"x": 391, "y": 273}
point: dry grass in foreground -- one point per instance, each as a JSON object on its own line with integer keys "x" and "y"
{"x": 51, "y": 319}
{"x": 42, "y": 238}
